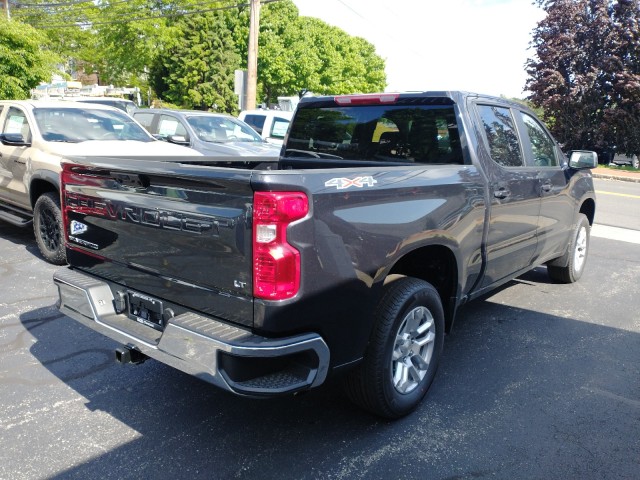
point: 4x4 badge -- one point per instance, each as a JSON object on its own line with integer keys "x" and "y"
{"x": 358, "y": 182}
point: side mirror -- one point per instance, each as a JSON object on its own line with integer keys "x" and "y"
{"x": 583, "y": 159}
{"x": 14, "y": 140}
{"x": 178, "y": 139}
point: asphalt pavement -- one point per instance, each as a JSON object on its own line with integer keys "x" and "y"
{"x": 537, "y": 381}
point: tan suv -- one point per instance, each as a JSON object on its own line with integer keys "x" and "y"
{"x": 35, "y": 136}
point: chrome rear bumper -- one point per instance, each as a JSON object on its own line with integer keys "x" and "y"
{"x": 227, "y": 356}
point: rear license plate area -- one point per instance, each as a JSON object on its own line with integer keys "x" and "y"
{"x": 146, "y": 310}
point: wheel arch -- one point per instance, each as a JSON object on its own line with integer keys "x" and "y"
{"x": 438, "y": 265}
{"x": 40, "y": 185}
{"x": 588, "y": 208}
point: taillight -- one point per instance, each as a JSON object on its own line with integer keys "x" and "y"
{"x": 366, "y": 99}
{"x": 74, "y": 177}
{"x": 276, "y": 264}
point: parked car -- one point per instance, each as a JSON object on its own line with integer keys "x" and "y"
{"x": 35, "y": 137}
{"x": 209, "y": 133}
{"x": 120, "y": 103}
{"x": 622, "y": 159}
{"x": 272, "y": 125}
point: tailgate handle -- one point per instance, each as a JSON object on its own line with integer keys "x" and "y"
{"x": 131, "y": 179}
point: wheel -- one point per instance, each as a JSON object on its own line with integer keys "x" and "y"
{"x": 635, "y": 163}
{"x": 48, "y": 229}
{"x": 571, "y": 265}
{"x": 403, "y": 352}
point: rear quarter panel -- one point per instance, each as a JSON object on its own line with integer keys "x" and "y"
{"x": 361, "y": 222}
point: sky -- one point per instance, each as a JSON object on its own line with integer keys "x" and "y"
{"x": 475, "y": 45}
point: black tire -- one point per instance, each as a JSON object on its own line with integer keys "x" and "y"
{"x": 48, "y": 228}
{"x": 635, "y": 162}
{"x": 574, "y": 260}
{"x": 377, "y": 384}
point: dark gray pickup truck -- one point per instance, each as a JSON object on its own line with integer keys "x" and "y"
{"x": 351, "y": 253}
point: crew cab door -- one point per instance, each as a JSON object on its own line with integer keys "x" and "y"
{"x": 515, "y": 198}
{"x": 556, "y": 219}
{"x": 13, "y": 158}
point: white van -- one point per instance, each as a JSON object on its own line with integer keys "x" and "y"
{"x": 272, "y": 125}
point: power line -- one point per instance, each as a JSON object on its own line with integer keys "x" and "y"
{"x": 352, "y": 9}
{"x": 48, "y": 5}
{"x": 87, "y": 23}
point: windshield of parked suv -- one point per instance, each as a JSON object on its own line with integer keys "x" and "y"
{"x": 75, "y": 125}
{"x": 212, "y": 128}
{"x": 382, "y": 133}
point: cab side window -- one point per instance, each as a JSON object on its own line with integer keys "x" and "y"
{"x": 542, "y": 146}
{"x": 16, "y": 123}
{"x": 279, "y": 127}
{"x": 499, "y": 127}
{"x": 171, "y": 126}
{"x": 256, "y": 121}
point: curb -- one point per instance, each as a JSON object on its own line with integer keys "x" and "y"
{"x": 625, "y": 178}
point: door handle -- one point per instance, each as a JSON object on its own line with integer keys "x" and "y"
{"x": 546, "y": 187}
{"x": 501, "y": 192}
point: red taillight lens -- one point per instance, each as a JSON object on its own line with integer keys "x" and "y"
{"x": 276, "y": 264}
{"x": 75, "y": 177}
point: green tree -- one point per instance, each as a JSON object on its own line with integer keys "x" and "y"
{"x": 302, "y": 53}
{"x": 129, "y": 35}
{"x": 64, "y": 27}
{"x": 24, "y": 63}
{"x": 196, "y": 68}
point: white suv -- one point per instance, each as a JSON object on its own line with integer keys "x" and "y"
{"x": 272, "y": 125}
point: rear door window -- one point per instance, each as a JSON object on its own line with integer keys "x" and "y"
{"x": 502, "y": 136}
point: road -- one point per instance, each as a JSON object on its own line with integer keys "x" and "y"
{"x": 618, "y": 203}
{"x": 538, "y": 380}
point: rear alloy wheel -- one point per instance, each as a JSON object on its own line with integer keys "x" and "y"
{"x": 576, "y": 254}
{"x": 635, "y": 162}
{"x": 48, "y": 229}
{"x": 404, "y": 350}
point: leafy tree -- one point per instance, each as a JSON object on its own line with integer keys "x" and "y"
{"x": 196, "y": 69}
{"x": 302, "y": 53}
{"x": 63, "y": 26}
{"x": 129, "y": 35}
{"x": 23, "y": 62}
{"x": 586, "y": 74}
{"x": 138, "y": 41}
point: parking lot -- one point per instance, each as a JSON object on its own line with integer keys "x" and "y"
{"x": 538, "y": 380}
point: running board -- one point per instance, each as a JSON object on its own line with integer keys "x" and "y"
{"x": 15, "y": 218}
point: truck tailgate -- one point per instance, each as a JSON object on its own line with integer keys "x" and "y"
{"x": 177, "y": 231}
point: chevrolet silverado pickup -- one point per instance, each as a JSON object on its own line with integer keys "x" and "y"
{"x": 347, "y": 256}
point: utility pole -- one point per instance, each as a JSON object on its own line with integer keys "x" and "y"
{"x": 252, "y": 57}
{"x": 6, "y": 9}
